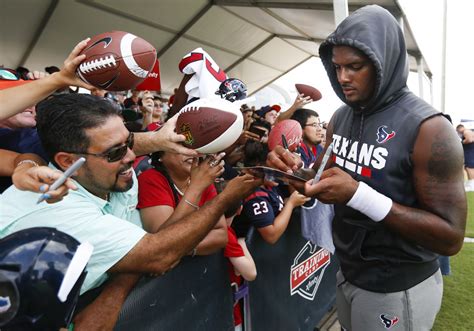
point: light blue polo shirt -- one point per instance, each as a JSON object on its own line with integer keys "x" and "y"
{"x": 112, "y": 227}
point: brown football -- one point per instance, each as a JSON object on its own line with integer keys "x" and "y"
{"x": 308, "y": 91}
{"x": 116, "y": 61}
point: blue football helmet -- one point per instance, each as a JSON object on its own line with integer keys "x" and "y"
{"x": 41, "y": 274}
{"x": 232, "y": 89}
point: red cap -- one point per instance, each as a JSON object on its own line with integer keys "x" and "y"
{"x": 276, "y": 107}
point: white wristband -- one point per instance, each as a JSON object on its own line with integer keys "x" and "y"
{"x": 370, "y": 202}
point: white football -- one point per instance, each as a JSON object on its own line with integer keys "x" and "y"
{"x": 210, "y": 124}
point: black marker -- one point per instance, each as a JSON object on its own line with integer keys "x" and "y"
{"x": 284, "y": 142}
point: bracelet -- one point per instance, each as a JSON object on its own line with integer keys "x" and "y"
{"x": 27, "y": 161}
{"x": 370, "y": 202}
{"x": 193, "y": 252}
{"x": 191, "y": 204}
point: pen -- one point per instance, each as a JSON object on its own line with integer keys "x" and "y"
{"x": 60, "y": 181}
{"x": 284, "y": 142}
{"x": 323, "y": 164}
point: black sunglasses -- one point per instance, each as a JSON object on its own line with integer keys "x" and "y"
{"x": 115, "y": 153}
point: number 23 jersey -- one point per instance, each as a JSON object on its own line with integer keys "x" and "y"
{"x": 259, "y": 210}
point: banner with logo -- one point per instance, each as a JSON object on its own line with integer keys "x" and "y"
{"x": 296, "y": 282}
{"x": 153, "y": 81}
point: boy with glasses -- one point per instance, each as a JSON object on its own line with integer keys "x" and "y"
{"x": 310, "y": 147}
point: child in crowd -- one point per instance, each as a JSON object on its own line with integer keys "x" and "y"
{"x": 265, "y": 209}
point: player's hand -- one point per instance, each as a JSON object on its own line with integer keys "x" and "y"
{"x": 335, "y": 186}
{"x": 39, "y": 179}
{"x": 67, "y": 75}
{"x": 282, "y": 159}
{"x": 205, "y": 173}
{"x": 169, "y": 141}
{"x": 297, "y": 199}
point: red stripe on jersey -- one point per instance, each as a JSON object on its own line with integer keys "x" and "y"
{"x": 193, "y": 57}
{"x": 255, "y": 195}
{"x": 366, "y": 172}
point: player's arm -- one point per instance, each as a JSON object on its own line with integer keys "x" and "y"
{"x": 439, "y": 223}
{"x": 156, "y": 253}
{"x": 16, "y": 99}
{"x": 438, "y": 179}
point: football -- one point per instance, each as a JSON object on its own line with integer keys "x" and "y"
{"x": 116, "y": 61}
{"x": 210, "y": 125}
{"x": 292, "y": 131}
{"x": 308, "y": 91}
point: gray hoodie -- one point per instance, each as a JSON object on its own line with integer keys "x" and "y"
{"x": 374, "y": 145}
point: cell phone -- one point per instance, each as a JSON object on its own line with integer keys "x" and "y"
{"x": 258, "y": 131}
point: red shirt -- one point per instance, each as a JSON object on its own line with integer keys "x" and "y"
{"x": 233, "y": 249}
{"x": 154, "y": 190}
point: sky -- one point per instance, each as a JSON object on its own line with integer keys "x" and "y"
{"x": 425, "y": 18}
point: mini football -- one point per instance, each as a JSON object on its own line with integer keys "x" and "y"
{"x": 292, "y": 131}
{"x": 116, "y": 61}
{"x": 210, "y": 125}
{"x": 308, "y": 91}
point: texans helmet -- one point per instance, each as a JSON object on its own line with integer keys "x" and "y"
{"x": 232, "y": 89}
{"x": 41, "y": 274}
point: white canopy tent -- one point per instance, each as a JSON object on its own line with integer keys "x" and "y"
{"x": 257, "y": 41}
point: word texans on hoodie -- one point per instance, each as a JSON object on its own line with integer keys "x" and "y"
{"x": 361, "y": 160}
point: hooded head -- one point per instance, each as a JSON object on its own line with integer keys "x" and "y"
{"x": 375, "y": 33}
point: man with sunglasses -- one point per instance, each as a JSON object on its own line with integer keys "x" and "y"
{"x": 102, "y": 209}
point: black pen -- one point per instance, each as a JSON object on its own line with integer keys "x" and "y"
{"x": 284, "y": 142}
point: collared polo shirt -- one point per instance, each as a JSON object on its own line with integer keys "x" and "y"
{"x": 112, "y": 227}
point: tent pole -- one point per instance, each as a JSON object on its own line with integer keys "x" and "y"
{"x": 341, "y": 10}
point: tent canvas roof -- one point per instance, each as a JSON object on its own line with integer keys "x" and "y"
{"x": 256, "y": 41}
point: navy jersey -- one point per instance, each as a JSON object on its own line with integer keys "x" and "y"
{"x": 25, "y": 140}
{"x": 308, "y": 154}
{"x": 259, "y": 210}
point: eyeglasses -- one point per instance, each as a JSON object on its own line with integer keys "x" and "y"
{"x": 115, "y": 153}
{"x": 315, "y": 125}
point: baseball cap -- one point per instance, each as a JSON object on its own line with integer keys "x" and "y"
{"x": 8, "y": 78}
{"x": 265, "y": 109}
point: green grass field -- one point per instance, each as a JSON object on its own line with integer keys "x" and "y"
{"x": 457, "y": 309}
{"x": 470, "y": 215}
